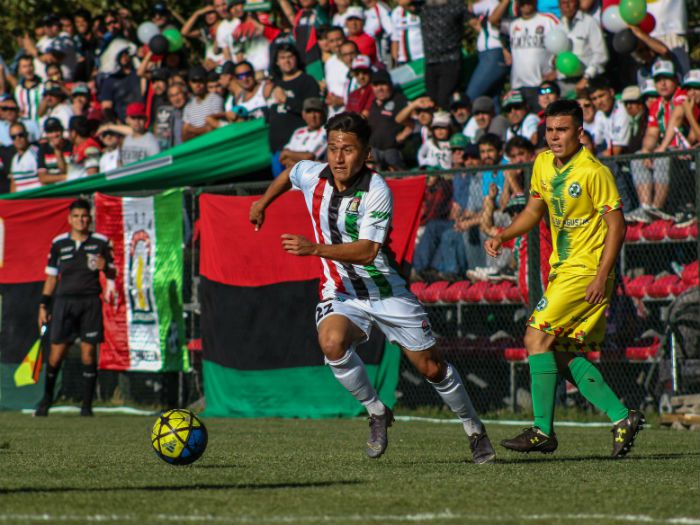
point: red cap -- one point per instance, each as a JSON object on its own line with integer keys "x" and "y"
{"x": 136, "y": 109}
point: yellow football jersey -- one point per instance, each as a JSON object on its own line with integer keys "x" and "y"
{"x": 577, "y": 195}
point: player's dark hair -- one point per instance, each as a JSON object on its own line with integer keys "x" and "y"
{"x": 521, "y": 143}
{"x": 565, "y": 108}
{"x": 350, "y": 122}
{"x": 599, "y": 83}
{"x": 491, "y": 139}
{"x": 79, "y": 204}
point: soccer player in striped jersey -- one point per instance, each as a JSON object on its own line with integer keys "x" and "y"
{"x": 351, "y": 210}
{"x": 588, "y": 230}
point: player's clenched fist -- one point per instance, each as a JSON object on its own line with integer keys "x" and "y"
{"x": 256, "y": 215}
{"x": 297, "y": 244}
{"x": 493, "y": 246}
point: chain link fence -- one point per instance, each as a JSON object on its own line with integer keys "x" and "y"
{"x": 478, "y": 307}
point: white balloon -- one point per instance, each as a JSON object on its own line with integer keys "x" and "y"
{"x": 146, "y": 31}
{"x": 612, "y": 21}
{"x": 557, "y": 42}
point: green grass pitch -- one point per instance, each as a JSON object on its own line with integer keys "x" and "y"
{"x": 70, "y": 470}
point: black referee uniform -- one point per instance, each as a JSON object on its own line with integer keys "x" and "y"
{"x": 77, "y": 309}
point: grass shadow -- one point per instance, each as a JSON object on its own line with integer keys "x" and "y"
{"x": 166, "y": 488}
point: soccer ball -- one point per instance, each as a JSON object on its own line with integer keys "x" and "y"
{"x": 179, "y": 437}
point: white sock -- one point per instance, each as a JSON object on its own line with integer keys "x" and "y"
{"x": 350, "y": 371}
{"x": 455, "y": 396}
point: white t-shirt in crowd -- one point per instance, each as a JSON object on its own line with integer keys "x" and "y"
{"x": 24, "y": 169}
{"x": 671, "y": 17}
{"x": 407, "y": 34}
{"x": 336, "y": 73}
{"x": 303, "y": 139}
{"x": 489, "y": 35}
{"x": 531, "y": 61}
{"x": 224, "y": 37}
{"x": 526, "y": 129}
{"x": 378, "y": 21}
{"x": 62, "y": 112}
{"x": 613, "y": 129}
{"x": 110, "y": 160}
{"x": 435, "y": 153}
{"x": 138, "y": 148}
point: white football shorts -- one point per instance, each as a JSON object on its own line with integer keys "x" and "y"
{"x": 402, "y": 320}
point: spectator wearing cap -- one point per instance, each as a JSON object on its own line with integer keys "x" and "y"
{"x": 588, "y": 44}
{"x": 29, "y": 89}
{"x": 649, "y": 93}
{"x": 305, "y": 23}
{"x": 85, "y": 157}
{"x": 110, "y": 158}
{"x": 9, "y": 115}
{"x": 202, "y": 26}
{"x": 355, "y": 24}
{"x": 672, "y": 29}
{"x": 491, "y": 69}
{"x": 612, "y": 122}
{"x": 685, "y": 116}
{"x": 484, "y": 120}
{"x": 406, "y": 37}
{"x": 24, "y": 161}
{"x": 435, "y": 151}
{"x": 387, "y": 134}
{"x": 213, "y": 84}
{"x": 442, "y": 26}
{"x": 54, "y": 154}
{"x": 548, "y": 93}
{"x": 200, "y": 106}
{"x": 442, "y": 252}
{"x": 291, "y": 87}
{"x": 138, "y": 143}
{"x": 55, "y": 105}
{"x": 531, "y": 62}
{"x": 121, "y": 88}
{"x": 651, "y": 176}
{"x": 341, "y": 12}
{"x": 360, "y": 99}
{"x": 160, "y": 16}
{"x": 379, "y": 25}
{"x": 308, "y": 142}
{"x": 80, "y": 99}
{"x": 521, "y": 123}
{"x": 460, "y": 110}
{"x": 632, "y": 99}
{"x": 336, "y": 71}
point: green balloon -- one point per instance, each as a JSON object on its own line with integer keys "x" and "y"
{"x": 174, "y": 39}
{"x": 633, "y": 11}
{"x": 568, "y": 64}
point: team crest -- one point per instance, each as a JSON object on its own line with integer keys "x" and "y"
{"x": 575, "y": 190}
{"x": 542, "y": 304}
{"x": 425, "y": 325}
{"x": 353, "y": 205}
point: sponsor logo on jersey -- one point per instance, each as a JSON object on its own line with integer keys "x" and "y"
{"x": 542, "y": 304}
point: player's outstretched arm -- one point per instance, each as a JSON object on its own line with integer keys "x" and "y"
{"x": 523, "y": 223}
{"x": 362, "y": 252}
{"x": 280, "y": 185}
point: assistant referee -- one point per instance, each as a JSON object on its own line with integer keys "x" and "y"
{"x": 71, "y": 300}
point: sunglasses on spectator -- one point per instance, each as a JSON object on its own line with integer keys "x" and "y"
{"x": 8, "y": 108}
{"x": 546, "y": 91}
{"x": 244, "y": 74}
{"x": 18, "y": 136}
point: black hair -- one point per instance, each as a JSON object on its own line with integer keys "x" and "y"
{"x": 333, "y": 29}
{"x": 492, "y": 140}
{"x": 84, "y": 14}
{"x": 80, "y": 204}
{"x": 598, "y": 83}
{"x": 350, "y": 122}
{"x": 520, "y": 142}
{"x": 552, "y": 85}
{"x": 80, "y": 125}
{"x": 25, "y": 57}
{"x": 565, "y": 108}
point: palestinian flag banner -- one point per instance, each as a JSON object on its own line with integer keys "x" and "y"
{"x": 258, "y": 303}
{"x": 144, "y": 326}
{"x": 27, "y": 228}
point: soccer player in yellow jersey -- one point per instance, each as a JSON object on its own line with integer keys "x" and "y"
{"x": 588, "y": 230}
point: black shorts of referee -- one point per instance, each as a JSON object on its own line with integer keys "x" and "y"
{"x": 76, "y": 316}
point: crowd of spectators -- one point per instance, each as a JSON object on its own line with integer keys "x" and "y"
{"x": 86, "y": 93}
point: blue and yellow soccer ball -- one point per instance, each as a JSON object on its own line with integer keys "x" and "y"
{"x": 179, "y": 437}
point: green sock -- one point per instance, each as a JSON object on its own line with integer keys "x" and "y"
{"x": 543, "y": 371}
{"x": 591, "y": 384}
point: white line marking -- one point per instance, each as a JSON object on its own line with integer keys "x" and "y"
{"x": 362, "y": 518}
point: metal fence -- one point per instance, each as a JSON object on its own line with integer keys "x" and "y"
{"x": 479, "y": 317}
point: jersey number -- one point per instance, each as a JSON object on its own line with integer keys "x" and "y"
{"x": 323, "y": 310}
